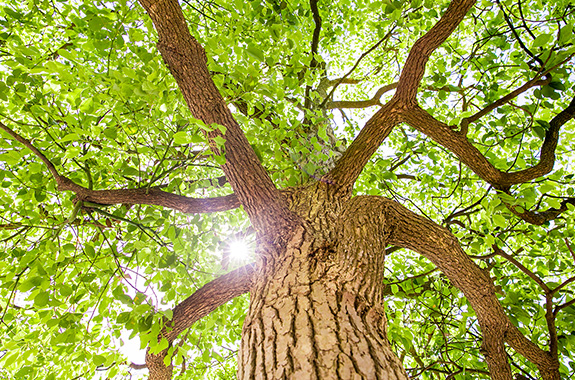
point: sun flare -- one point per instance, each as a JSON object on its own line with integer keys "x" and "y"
{"x": 239, "y": 250}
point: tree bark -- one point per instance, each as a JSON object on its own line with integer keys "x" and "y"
{"x": 317, "y": 310}
{"x": 441, "y": 247}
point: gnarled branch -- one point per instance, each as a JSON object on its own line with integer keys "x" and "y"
{"x": 187, "y": 62}
{"x": 535, "y": 82}
{"x": 457, "y": 143}
{"x": 411, "y": 231}
{"x": 354, "y": 159}
{"x": 362, "y": 103}
{"x": 198, "y": 305}
{"x": 348, "y": 168}
{"x": 540, "y": 217}
{"x": 419, "y": 54}
{"x": 151, "y": 196}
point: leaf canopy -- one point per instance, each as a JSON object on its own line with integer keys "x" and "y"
{"x": 84, "y": 83}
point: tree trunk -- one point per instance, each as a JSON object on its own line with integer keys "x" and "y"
{"x": 317, "y": 308}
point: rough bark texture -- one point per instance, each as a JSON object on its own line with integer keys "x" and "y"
{"x": 147, "y": 196}
{"x": 316, "y": 312}
{"x": 457, "y": 142}
{"x": 186, "y": 60}
{"x": 317, "y": 306}
{"x": 442, "y": 249}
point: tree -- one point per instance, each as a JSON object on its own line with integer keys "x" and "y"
{"x": 126, "y": 168}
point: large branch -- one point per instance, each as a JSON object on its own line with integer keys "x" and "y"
{"x": 414, "y": 67}
{"x": 198, "y": 305}
{"x": 148, "y": 196}
{"x": 354, "y": 159}
{"x": 348, "y": 168}
{"x": 457, "y": 143}
{"x": 156, "y": 197}
{"x": 187, "y": 62}
{"x": 441, "y": 247}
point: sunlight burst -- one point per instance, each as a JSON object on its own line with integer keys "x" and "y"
{"x": 239, "y": 250}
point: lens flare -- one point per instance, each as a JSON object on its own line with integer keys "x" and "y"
{"x": 239, "y": 250}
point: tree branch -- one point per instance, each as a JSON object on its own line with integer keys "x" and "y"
{"x": 314, "y": 46}
{"x": 536, "y": 81}
{"x": 414, "y": 67}
{"x": 362, "y": 103}
{"x": 357, "y": 62}
{"x": 512, "y": 95}
{"x": 540, "y": 217}
{"x": 514, "y": 31}
{"x": 457, "y": 143}
{"x": 350, "y": 165}
{"x": 187, "y": 62}
{"x": 521, "y": 267}
{"x": 198, "y": 305}
{"x": 354, "y": 159}
{"x": 148, "y": 196}
{"x": 60, "y": 180}
{"x": 441, "y": 247}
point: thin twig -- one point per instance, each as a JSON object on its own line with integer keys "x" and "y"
{"x": 361, "y": 57}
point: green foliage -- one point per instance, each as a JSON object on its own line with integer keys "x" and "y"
{"x": 85, "y": 83}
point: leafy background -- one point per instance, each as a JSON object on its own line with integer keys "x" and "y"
{"x": 84, "y": 82}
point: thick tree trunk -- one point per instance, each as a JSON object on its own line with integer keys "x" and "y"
{"x": 317, "y": 308}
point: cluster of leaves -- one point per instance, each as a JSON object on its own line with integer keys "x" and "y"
{"x": 84, "y": 82}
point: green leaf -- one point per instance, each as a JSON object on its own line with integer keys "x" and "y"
{"x": 549, "y": 92}
{"x": 255, "y": 52}
{"x": 220, "y": 141}
{"x": 541, "y": 40}
{"x": 566, "y": 34}
{"x": 99, "y": 360}
{"x": 220, "y": 160}
{"x": 11, "y": 157}
{"x": 70, "y": 137}
{"x": 557, "y": 86}
{"x": 539, "y": 132}
{"x": 181, "y": 138}
{"x": 42, "y": 299}
{"x": 500, "y": 221}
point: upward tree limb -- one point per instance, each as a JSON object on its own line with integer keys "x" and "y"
{"x": 362, "y": 103}
{"x": 348, "y": 168}
{"x": 411, "y": 231}
{"x": 354, "y": 159}
{"x": 146, "y": 196}
{"x": 457, "y": 143}
{"x": 187, "y": 62}
{"x": 314, "y": 47}
{"x": 198, "y": 305}
{"x": 535, "y": 82}
{"x": 514, "y": 31}
{"x": 419, "y": 54}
